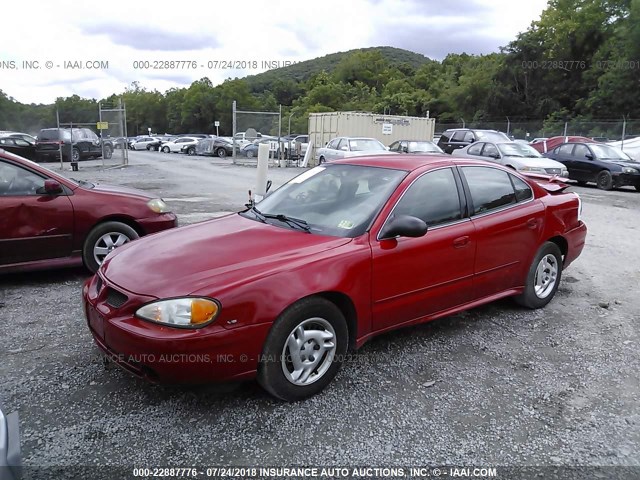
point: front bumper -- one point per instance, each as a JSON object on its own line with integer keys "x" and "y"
{"x": 576, "y": 238}
{"x": 626, "y": 180}
{"x": 158, "y": 223}
{"x": 166, "y": 354}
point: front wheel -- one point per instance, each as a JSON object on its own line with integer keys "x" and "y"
{"x": 543, "y": 277}
{"x": 605, "y": 180}
{"x": 104, "y": 238}
{"x": 249, "y": 154}
{"x": 304, "y": 350}
{"x": 75, "y": 155}
{"x": 321, "y": 160}
{"x": 191, "y": 151}
{"x": 221, "y": 152}
{"x": 166, "y": 149}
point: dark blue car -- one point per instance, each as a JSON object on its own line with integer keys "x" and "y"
{"x": 606, "y": 166}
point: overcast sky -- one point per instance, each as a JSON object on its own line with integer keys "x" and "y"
{"x": 122, "y": 32}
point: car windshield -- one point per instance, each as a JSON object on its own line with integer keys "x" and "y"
{"x": 365, "y": 145}
{"x": 492, "y": 136}
{"x": 336, "y": 200}
{"x": 416, "y": 147}
{"x": 518, "y": 150}
{"x": 606, "y": 152}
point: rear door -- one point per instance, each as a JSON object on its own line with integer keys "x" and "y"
{"x": 508, "y": 223}
{"x": 418, "y": 277}
{"x": 33, "y": 225}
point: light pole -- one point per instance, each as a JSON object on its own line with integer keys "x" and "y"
{"x": 290, "y": 122}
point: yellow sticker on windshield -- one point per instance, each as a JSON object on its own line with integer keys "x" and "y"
{"x": 345, "y": 224}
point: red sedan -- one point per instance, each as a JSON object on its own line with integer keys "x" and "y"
{"x": 341, "y": 253}
{"x": 47, "y": 220}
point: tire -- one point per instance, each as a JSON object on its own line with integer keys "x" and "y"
{"x": 543, "y": 277}
{"x": 191, "y": 151}
{"x": 321, "y": 160}
{"x": 108, "y": 152}
{"x": 249, "y": 153}
{"x": 637, "y": 188}
{"x": 276, "y": 371}
{"x": 105, "y": 236}
{"x": 221, "y": 152}
{"x": 605, "y": 180}
{"x": 75, "y": 155}
{"x": 166, "y": 150}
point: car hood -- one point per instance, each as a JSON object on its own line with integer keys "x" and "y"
{"x": 623, "y": 163}
{"x": 210, "y": 255}
{"x": 120, "y": 190}
{"x": 541, "y": 162}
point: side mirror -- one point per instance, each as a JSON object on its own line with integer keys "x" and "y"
{"x": 495, "y": 155}
{"x": 405, "y": 149}
{"x": 404, "y": 226}
{"x": 51, "y": 187}
{"x": 589, "y": 156}
{"x": 269, "y": 183}
{"x": 344, "y": 149}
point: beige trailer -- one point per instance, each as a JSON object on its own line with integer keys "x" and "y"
{"x": 386, "y": 128}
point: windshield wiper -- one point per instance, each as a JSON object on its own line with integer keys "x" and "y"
{"x": 298, "y": 222}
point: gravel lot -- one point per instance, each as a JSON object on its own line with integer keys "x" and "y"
{"x": 494, "y": 386}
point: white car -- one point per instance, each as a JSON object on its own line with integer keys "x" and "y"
{"x": 343, "y": 147}
{"x": 516, "y": 155}
{"x": 143, "y": 142}
{"x": 176, "y": 145}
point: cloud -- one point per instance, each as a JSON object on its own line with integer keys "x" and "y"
{"x": 142, "y": 37}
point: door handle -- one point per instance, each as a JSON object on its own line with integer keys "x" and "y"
{"x": 532, "y": 223}
{"x": 460, "y": 242}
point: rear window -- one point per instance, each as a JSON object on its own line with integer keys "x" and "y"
{"x": 49, "y": 134}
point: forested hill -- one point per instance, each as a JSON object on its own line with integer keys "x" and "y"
{"x": 302, "y": 71}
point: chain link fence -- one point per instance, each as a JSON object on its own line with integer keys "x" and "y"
{"x": 602, "y": 130}
{"x": 113, "y": 119}
{"x": 250, "y": 129}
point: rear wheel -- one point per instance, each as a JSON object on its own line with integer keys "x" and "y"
{"x": 605, "y": 180}
{"x": 543, "y": 277}
{"x": 221, "y": 152}
{"x": 304, "y": 349}
{"x": 191, "y": 151}
{"x": 249, "y": 153}
{"x": 166, "y": 149}
{"x": 75, "y": 155}
{"x": 638, "y": 188}
{"x": 104, "y": 238}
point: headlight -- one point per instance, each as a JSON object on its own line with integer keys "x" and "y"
{"x": 190, "y": 312}
{"x": 533, "y": 169}
{"x": 157, "y": 205}
{"x": 630, "y": 170}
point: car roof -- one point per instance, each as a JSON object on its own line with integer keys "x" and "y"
{"x": 398, "y": 162}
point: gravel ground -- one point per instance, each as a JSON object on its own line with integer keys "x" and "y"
{"x": 497, "y": 385}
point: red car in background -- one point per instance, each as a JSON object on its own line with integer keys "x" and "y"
{"x": 343, "y": 252}
{"x": 551, "y": 143}
{"x": 47, "y": 220}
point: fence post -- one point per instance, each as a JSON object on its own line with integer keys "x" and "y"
{"x": 565, "y": 129}
{"x": 233, "y": 128}
{"x": 624, "y": 131}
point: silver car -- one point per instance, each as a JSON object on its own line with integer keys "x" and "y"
{"x": 10, "y": 459}
{"x": 344, "y": 147}
{"x": 516, "y": 155}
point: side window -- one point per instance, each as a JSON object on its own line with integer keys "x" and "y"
{"x": 91, "y": 135}
{"x": 475, "y": 149}
{"x": 580, "y": 152}
{"x": 490, "y": 188}
{"x": 344, "y": 144}
{"x": 446, "y": 136}
{"x": 490, "y": 150}
{"x": 16, "y": 181}
{"x": 565, "y": 149}
{"x": 7, "y": 141}
{"x": 523, "y": 191}
{"x": 394, "y": 147}
{"x": 21, "y": 143}
{"x": 469, "y": 137}
{"x": 458, "y": 136}
{"x": 333, "y": 143}
{"x": 433, "y": 197}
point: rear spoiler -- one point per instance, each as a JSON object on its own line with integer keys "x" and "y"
{"x": 551, "y": 183}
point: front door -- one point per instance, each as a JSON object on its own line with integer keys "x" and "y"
{"x": 418, "y": 277}
{"x": 33, "y": 225}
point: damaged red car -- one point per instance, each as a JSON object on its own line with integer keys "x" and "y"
{"x": 49, "y": 221}
{"x": 343, "y": 252}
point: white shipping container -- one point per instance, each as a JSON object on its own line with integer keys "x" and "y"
{"x": 386, "y": 128}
